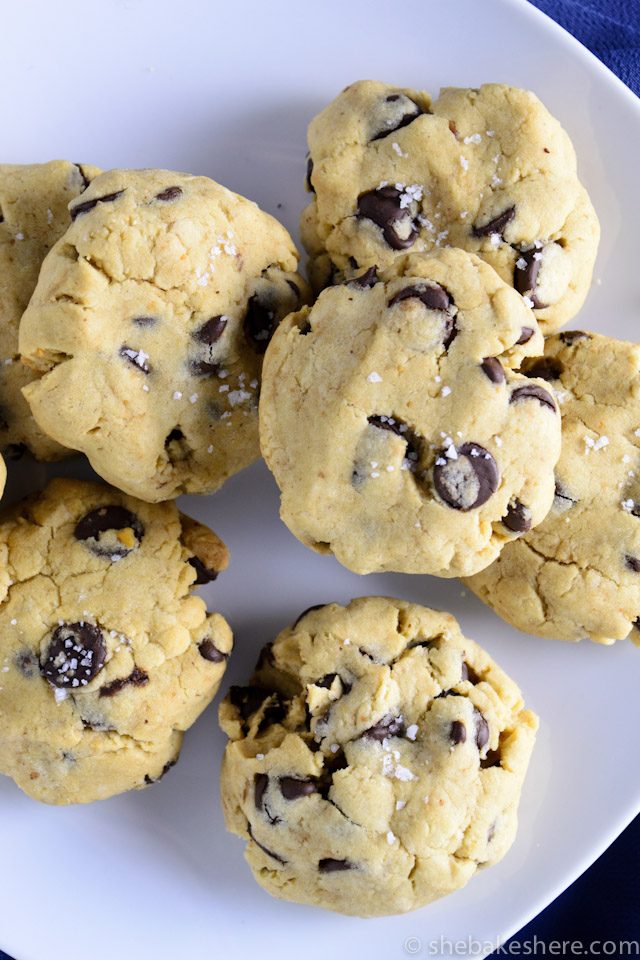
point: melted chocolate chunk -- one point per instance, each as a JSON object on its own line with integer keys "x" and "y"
{"x": 482, "y": 729}
{"x": 569, "y": 337}
{"x": 171, "y": 193}
{"x": 316, "y": 606}
{"x": 383, "y": 207}
{"x": 494, "y": 370}
{"x": 75, "y": 655}
{"x": 492, "y": 759}
{"x": 211, "y": 330}
{"x": 87, "y": 205}
{"x": 388, "y": 726}
{"x": 310, "y": 186}
{"x": 329, "y": 865}
{"x": 457, "y": 732}
{"x": 259, "y": 324}
{"x": 264, "y": 849}
{"x": 525, "y": 335}
{"x": 208, "y": 651}
{"x": 517, "y": 517}
{"x": 203, "y": 574}
{"x": 293, "y": 788}
{"x": 170, "y": 763}
{"x": 260, "y": 784}
{"x": 533, "y": 392}
{"x": 112, "y": 520}
{"x": 633, "y": 563}
{"x": 247, "y": 700}
{"x": 137, "y": 678}
{"x": 525, "y": 278}
{"x": 497, "y": 225}
{"x": 547, "y": 368}
{"x": 366, "y": 280}
{"x": 434, "y": 297}
{"x": 174, "y": 436}
{"x": 393, "y": 425}
{"x": 137, "y": 358}
{"x": 468, "y": 673}
{"x": 402, "y": 117}
{"x": 468, "y": 481}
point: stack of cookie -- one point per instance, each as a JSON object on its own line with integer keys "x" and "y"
{"x": 415, "y": 419}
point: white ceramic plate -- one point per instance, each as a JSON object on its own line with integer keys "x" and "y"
{"x": 227, "y": 90}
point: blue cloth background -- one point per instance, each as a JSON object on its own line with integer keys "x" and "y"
{"x": 604, "y": 904}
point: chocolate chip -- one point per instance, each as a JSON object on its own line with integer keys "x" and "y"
{"x": 81, "y": 208}
{"x": 112, "y": 520}
{"x": 203, "y": 368}
{"x": 211, "y": 330}
{"x": 326, "y": 681}
{"x": 492, "y": 759}
{"x": 389, "y": 726}
{"x": 203, "y": 574}
{"x": 633, "y": 563}
{"x": 149, "y": 780}
{"x": 496, "y": 225}
{"x": 383, "y": 207}
{"x": 264, "y": 849}
{"x": 468, "y": 673}
{"x": 533, "y": 392}
{"x": 247, "y": 700}
{"x": 317, "y": 606}
{"x": 75, "y": 655}
{"x": 569, "y": 337}
{"x": 547, "y": 368}
{"x": 85, "y": 179}
{"x": 293, "y": 788}
{"x": 137, "y": 358}
{"x": 383, "y": 422}
{"x": 403, "y": 113}
{"x": 366, "y": 280}
{"x": 209, "y": 651}
{"x": 259, "y": 324}
{"x": 171, "y": 193}
{"x": 457, "y": 732}
{"x": 525, "y": 278}
{"x": 468, "y": 481}
{"x": 260, "y": 784}
{"x": 434, "y": 297}
{"x": 492, "y": 367}
{"x": 482, "y": 729}
{"x": 144, "y": 321}
{"x": 310, "y": 186}
{"x": 525, "y": 335}
{"x": 265, "y": 657}
{"x": 275, "y": 712}
{"x": 294, "y": 287}
{"x": 304, "y": 328}
{"x": 517, "y": 517}
{"x": 175, "y": 435}
{"x": 329, "y": 865}
{"x": 137, "y": 678}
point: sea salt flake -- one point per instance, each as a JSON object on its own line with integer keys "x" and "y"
{"x": 528, "y": 301}
{"x": 193, "y": 398}
{"x": 474, "y": 138}
{"x": 398, "y": 149}
{"x": 177, "y": 395}
{"x": 494, "y": 239}
{"x": 259, "y": 756}
{"x": 412, "y": 731}
{"x": 391, "y": 837}
{"x": 374, "y": 377}
{"x": 401, "y": 804}
{"x": 334, "y": 747}
{"x": 403, "y": 773}
{"x": 464, "y": 163}
{"x": 445, "y": 391}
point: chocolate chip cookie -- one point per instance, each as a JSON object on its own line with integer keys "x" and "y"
{"x": 577, "y": 575}
{"x": 105, "y": 657}
{"x": 488, "y": 170}
{"x": 398, "y": 434}
{"x": 148, "y": 327}
{"x": 375, "y": 760}
{"x": 33, "y": 215}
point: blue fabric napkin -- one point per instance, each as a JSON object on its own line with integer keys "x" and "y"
{"x": 609, "y": 28}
